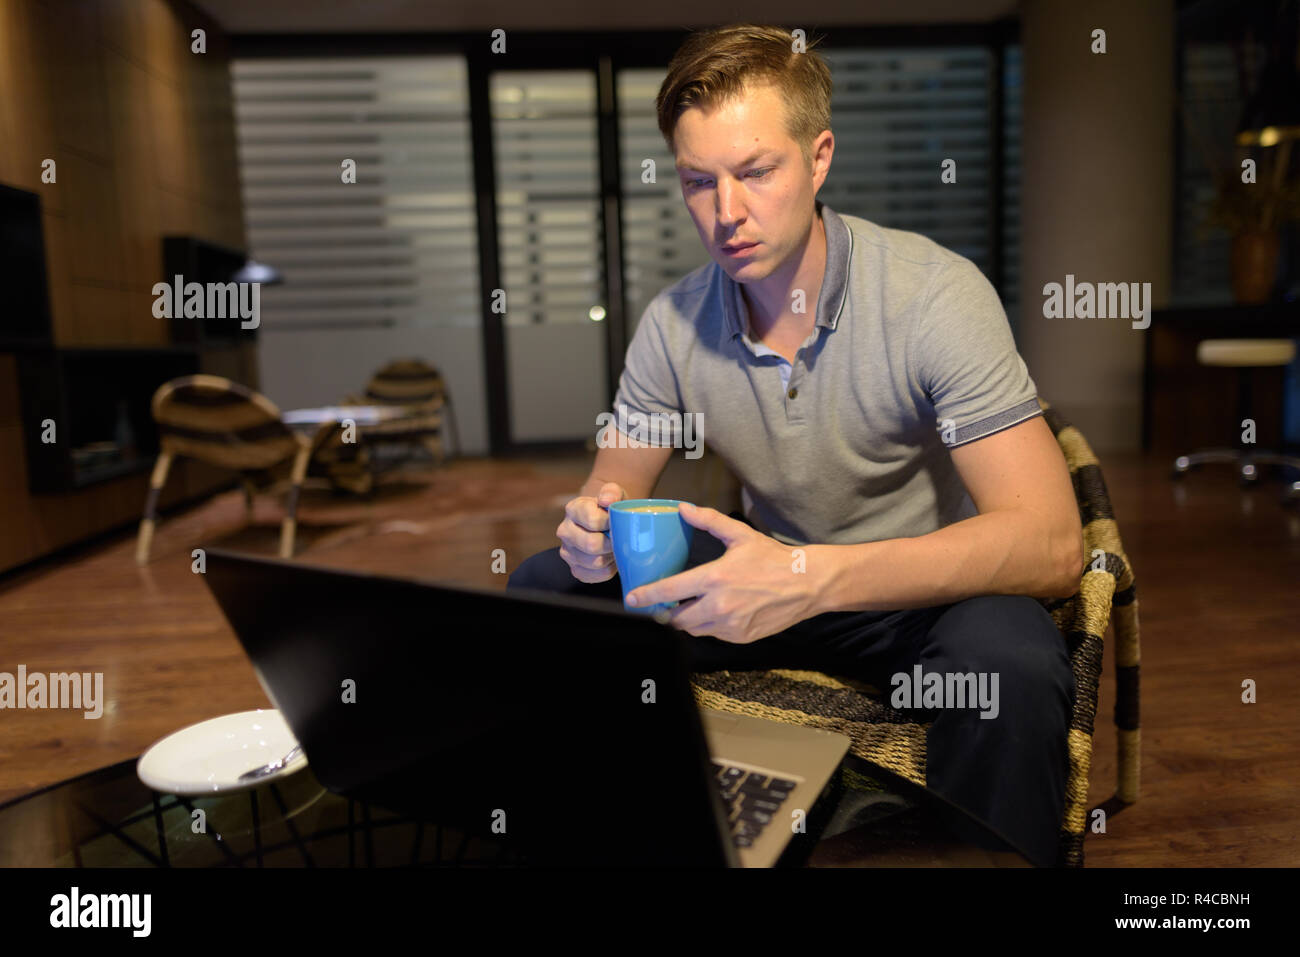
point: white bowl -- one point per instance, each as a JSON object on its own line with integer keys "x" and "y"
{"x": 209, "y": 757}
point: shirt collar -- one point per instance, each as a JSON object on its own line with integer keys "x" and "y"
{"x": 835, "y": 280}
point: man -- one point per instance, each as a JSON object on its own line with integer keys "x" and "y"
{"x": 905, "y": 502}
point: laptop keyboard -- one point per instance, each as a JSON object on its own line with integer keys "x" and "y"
{"x": 751, "y": 798}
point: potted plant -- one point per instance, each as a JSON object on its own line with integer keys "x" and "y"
{"x": 1253, "y": 213}
{"x": 1253, "y": 201}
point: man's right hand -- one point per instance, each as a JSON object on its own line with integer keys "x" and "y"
{"x": 583, "y": 544}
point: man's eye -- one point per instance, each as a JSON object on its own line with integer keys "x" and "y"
{"x": 759, "y": 173}
{"x": 696, "y": 183}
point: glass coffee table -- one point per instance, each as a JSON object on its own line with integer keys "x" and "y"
{"x": 109, "y": 818}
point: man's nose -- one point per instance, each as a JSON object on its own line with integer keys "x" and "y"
{"x": 731, "y": 206}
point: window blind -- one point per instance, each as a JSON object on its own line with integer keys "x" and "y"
{"x": 660, "y": 242}
{"x": 397, "y": 247}
{"x": 897, "y": 115}
{"x": 548, "y": 203}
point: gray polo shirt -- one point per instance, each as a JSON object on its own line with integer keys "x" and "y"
{"x": 911, "y": 355}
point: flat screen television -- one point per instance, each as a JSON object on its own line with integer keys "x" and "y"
{"x": 25, "y": 320}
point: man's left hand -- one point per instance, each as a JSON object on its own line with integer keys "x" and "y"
{"x": 757, "y": 588}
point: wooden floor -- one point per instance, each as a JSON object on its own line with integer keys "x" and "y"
{"x": 1218, "y": 573}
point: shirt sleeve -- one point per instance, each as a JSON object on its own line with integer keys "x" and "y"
{"x": 648, "y": 386}
{"x": 965, "y": 360}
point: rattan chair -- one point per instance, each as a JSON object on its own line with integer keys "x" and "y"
{"x": 882, "y": 736}
{"x": 419, "y": 387}
{"x": 221, "y": 422}
{"x": 345, "y": 465}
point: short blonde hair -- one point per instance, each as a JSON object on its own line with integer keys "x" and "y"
{"x": 714, "y": 66}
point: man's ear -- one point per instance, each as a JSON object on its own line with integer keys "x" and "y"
{"x": 823, "y": 148}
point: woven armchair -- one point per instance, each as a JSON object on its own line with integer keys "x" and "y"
{"x": 419, "y": 387}
{"x": 223, "y": 423}
{"x": 883, "y": 737}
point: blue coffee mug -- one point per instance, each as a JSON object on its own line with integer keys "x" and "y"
{"x": 648, "y": 546}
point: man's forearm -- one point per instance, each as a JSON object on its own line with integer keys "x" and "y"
{"x": 1011, "y": 552}
{"x": 635, "y": 470}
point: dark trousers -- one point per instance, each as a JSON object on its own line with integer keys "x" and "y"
{"x": 1009, "y": 771}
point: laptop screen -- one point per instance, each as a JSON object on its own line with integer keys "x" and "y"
{"x": 570, "y": 716}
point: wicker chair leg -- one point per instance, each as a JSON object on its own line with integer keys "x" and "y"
{"x": 1075, "y": 825}
{"x": 147, "y": 524}
{"x": 248, "y": 495}
{"x": 1127, "y": 716}
{"x": 290, "y": 525}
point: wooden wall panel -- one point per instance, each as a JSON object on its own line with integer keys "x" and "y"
{"x": 134, "y": 158}
{"x": 121, "y": 23}
{"x": 98, "y": 315}
{"x": 163, "y": 45}
{"x": 80, "y": 104}
{"x": 27, "y": 60}
{"x": 142, "y": 131}
{"x": 178, "y": 214}
{"x": 218, "y": 177}
{"x": 92, "y": 217}
{"x": 143, "y": 327}
{"x": 7, "y": 39}
{"x": 174, "y": 157}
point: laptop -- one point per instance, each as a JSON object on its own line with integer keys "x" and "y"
{"x": 562, "y": 726}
